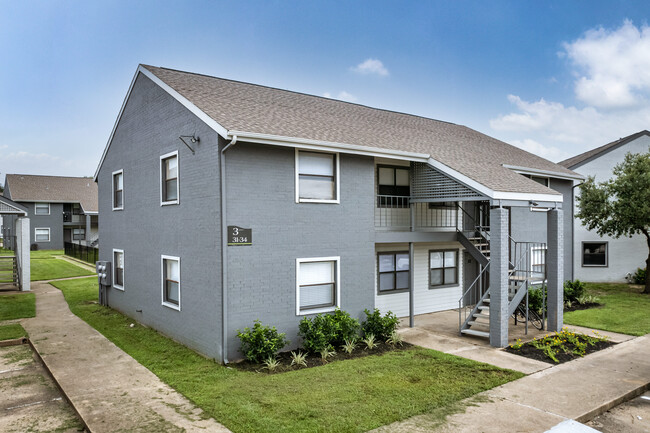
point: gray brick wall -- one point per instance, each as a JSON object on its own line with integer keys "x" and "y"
{"x": 53, "y": 221}
{"x": 498, "y": 277}
{"x": 150, "y": 127}
{"x": 555, "y": 268}
{"x": 261, "y": 196}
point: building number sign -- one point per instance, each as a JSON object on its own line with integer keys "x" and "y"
{"x": 239, "y": 236}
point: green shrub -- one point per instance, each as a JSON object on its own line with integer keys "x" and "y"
{"x": 261, "y": 342}
{"x": 639, "y": 276}
{"x": 535, "y": 299}
{"x": 382, "y": 327}
{"x": 573, "y": 290}
{"x": 325, "y": 331}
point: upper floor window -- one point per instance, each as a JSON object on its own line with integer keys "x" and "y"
{"x": 78, "y": 234}
{"x": 76, "y": 209}
{"x": 393, "y": 186}
{"x": 169, "y": 178}
{"x": 41, "y": 209}
{"x": 118, "y": 190}
{"x": 171, "y": 282}
{"x": 317, "y": 285}
{"x": 594, "y": 254}
{"x": 118, "y": 269}
{"x": 317, "y": 177}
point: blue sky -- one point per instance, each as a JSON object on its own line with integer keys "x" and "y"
{"x": 555, "y": 78}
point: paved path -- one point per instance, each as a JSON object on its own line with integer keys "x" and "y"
{"x": 110, "y": 390}
{"x": 578, "y": 390}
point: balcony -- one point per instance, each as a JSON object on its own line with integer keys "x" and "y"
{"x": 71, "y": 218}
{"x": 394, "y": 213}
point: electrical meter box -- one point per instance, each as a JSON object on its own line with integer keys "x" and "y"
{"x": 104, "y": 272}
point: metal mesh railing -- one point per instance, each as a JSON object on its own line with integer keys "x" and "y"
{"x": 82, "y": 252}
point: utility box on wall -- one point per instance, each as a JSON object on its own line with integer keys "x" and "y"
{"x": 104, "y": 273}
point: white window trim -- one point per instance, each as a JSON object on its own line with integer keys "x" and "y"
{"x": 337, "y": 179}
{"x": 42, "y": 214}
{"x": 533, "y": 254}
{"x": 49, "y": 234}
{"x": 115, "y": 285}
{"x": 113, "y": 189}
{"x": 178, "y": 178}
{"x": 337, "y": 260}
{"x": 162, "y": 282}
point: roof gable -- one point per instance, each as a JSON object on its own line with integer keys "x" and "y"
{"x": 590, "y": 155}
{"x": 33, "y": 188}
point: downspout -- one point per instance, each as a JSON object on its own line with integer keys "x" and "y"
{"x": 224, "y": 252}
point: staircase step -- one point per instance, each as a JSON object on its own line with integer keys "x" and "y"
{"x": 475, "y": 333}
{"x": 484, "y": 307}
{"x": 482, "y": 316}
{"x": 476, "y": 323}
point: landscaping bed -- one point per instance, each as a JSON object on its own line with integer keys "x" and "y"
{"x": 586, "y": 306}
{"x": 560, "y": 347}
{"x": 315, "y": 360}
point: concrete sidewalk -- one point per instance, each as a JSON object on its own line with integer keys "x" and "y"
{"x": 110, "y": 390}
{"x": 578, "y": 390}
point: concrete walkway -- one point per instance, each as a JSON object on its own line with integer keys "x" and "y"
{"x": 577, "y": 390}
{"x": 110, "y": 390}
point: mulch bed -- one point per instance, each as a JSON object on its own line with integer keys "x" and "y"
{"x": 532, "y": 352}
{"x": 314, "y": 360}
{"x": 586, "y": 306}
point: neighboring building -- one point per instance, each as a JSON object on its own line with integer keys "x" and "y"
{"x": 603, "y": 258}
{"x": 61, "y": 209}
{"x": 349, "y": 206}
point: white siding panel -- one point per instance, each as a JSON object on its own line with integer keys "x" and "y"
{"x": 426, "y": 300}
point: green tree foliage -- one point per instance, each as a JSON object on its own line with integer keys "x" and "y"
{"x": 620, "y": 206}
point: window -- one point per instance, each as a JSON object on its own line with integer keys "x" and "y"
{"x": 42, "y": 234}
{"x": 394, "y": 272}
{"x": 538, "y": 261}
{"x": 393, "y": 186}
{"x": 317, "y": 288}
{"x": 169, "y": 178}
{"x": 443, "y": 268}
{"x": 594, "y": 254}
{"x": 118, "y": 190}
{"x": 76, "y": 209}
{"x": 78, "y": 234}
{"x": 317, "y": 177}
{"x": 41, "y": 209}
{"x": 171, "y": 282}
{"x": 118, "y": 269}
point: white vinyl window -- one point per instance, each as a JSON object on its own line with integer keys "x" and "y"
{"x": 118, "y": 190}
{"x": 118, "y": 269}
{"x": 443, "y": 268}
{"x": 394, "y": 272}
{"x": 317, "y": 285}
{"x": 171, "y": 281}
{"x": 41, "y": 234}
{"x": 41, "y": 209}
{"x": 317, "y": 177}
{"x": 169, "y": 191}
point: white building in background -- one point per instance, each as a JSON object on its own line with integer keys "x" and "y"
{"x": 603, "y": 258}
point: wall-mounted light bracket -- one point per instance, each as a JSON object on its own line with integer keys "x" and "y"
{"x": 192, "y": 138}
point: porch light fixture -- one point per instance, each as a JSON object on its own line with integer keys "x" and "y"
{"x": 192, "y": 138}
{"x": 532, "y": 203}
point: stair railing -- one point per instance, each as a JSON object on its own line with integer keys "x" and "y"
{"x": 469, "y": 227}
{"x": 470, "y": 301}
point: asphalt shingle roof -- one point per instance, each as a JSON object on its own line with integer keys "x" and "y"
{"x": 252, "y": 108}
{"x": 26, "y": 187}
{"x": 576, "y": 160}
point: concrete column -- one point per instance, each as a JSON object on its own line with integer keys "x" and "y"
{"x": 22, "y": 252}
{"x": 498, "y": 277}
{"x": 555, "y": 269}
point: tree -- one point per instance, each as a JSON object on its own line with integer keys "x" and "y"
{"x": 620, "y": 206}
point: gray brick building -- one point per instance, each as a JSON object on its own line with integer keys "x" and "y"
{"x": 225, "y": 202}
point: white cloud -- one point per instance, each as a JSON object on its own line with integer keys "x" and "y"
{"x": 612, "y": 70}
{"x": 371, "y": 66}
{"x": 22, "y": 162}
{"x": 612, "y": 66}
{"x": 342, "y": 95}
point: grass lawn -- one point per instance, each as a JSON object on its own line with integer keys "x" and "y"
{"x": 346, "y": 396}
{"x": 46, "y": 266}
{"x": 6, "y": 252}
{"x": 625, "y": 310}
{"x": 9, "y": 332}
{"x": 17, "y": 306}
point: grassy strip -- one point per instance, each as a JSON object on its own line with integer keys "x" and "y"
{"x": 347, "y": 396}
{"x": 624, "y": 310}
{"x": 17, "y": 306}
{"x": 9, "y": 332}
{"x": 46, "y": 266}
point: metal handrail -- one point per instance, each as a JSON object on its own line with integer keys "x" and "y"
{"x": 397, "y": 212}
{"x": 464, "y": 318}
